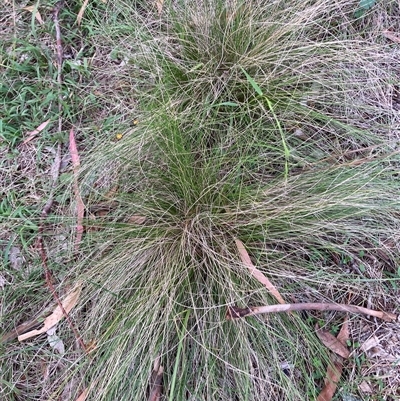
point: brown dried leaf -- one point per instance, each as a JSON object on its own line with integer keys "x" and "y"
{"x": 156, "y": 381}
{"x": 365, "y": 387}
{"x": 333, "y": 374}
{"x": 331, "y": 342}
{"x": 136, "y": 219}
{"x": 33, "y": 9}
{"x": 68, "y": 303}
{"x": 81, "y": 12}
{"x": 334, "y": 370}
{"x": 370, "y": 343}
{"x": 40, "y": 128}
{"x": 344, "y": 333}
{"x": 256, "y": 273}
{"x": 394, "y": 37}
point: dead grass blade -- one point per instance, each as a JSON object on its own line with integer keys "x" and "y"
{"x": 81, "y": 12}
{"x": 67, "y": 304}
{"x": 32, "y": 134}
{"x": 334, "y": 371}
{"x": 80, "y": 207}
{"x": 256, "y": 273}
{"x": 235, "y": 312}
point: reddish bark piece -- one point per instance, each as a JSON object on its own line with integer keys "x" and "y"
{"x": 80, "y": 207}
{"x": 257, "y": 274}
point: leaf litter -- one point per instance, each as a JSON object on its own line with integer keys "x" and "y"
{"x": 334, "y": 370}
{"x": 57, "y": 315}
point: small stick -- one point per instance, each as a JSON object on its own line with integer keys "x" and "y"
{"x": 236, "y": 313}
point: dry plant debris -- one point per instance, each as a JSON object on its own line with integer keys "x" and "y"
{"x": 156, "y": 380}
{"x": 334, "y": 370}
{"x": 81, "y": 12}
{"x": 32, "y": 134}
{"x": 332, "y": 342}
{"x": 57, "y": 315}
{"x": 257, "y": 273}
{"x": 235, "y": 312}
{"x": 34, "y": 9}
{"x": 80, "y": 207}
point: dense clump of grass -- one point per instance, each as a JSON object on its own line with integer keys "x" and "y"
{"x": 249, "y": 127}
{"x": 246, "y": 132}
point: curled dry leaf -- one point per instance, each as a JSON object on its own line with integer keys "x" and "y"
{"x": 257, "y": 273}
{"x": 68, "y": 303}
{"x": 333, "y": 343}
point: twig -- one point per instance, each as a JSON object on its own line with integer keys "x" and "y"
{"x": 57, "y": 162}
{"x": 235, "y": 312}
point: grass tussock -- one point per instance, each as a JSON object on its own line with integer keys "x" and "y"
{"x": 260, "y": 121}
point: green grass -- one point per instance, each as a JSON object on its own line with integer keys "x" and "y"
{"x": 263, "y": 122}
